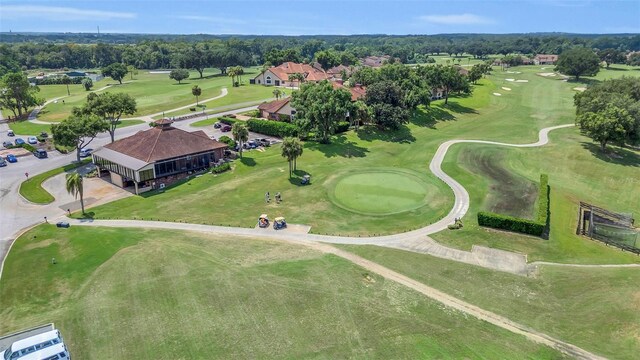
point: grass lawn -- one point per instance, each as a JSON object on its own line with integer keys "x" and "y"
{"x": 210, "y": 297}
{"x": 153, "y": 92}
{"x": 594, "y": 308}
{"x": 32, "y": 189}
{"x": 236, "y": 98}
{"x": 28, "y": 128}
{"x": 515, "y": 117}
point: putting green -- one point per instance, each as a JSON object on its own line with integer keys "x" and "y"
{"x": 380, "y": 191}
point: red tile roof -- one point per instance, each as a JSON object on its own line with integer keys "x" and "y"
{"x": 545, "y": 57}
{"x": 273, "y": 106}
{"x": 164, "y": 142}
{"x": 310, "y": 73}
{"x": 357, "y": 92}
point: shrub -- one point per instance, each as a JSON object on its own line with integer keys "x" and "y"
{"x": 342, "y": 127}
{"x": 510, "y": 223}
{"x": 227, "y": 120}
{"x": 220, "y": 169}
{"x": 28, "y": 147}
{"x": 58, "y": 81}
{"x": 252, "y": 113}
{"x": 272, "y": 128}
{"x": 543, "y": 199}
{"x": 192, "y": 109}
{"x": 227, "y": 140}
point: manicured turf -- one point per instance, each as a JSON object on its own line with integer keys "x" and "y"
{"x": 514, "y": 117}
{"x": 124, "y": 293}
{"x": 378, "y": 191}
{"x": 153, "y": 92}
{"x": 32, "y": 189}
{"x": 28, "y": 128}
{"x": 594, "y": 308}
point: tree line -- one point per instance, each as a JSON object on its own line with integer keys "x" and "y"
{"x": 23, "y": 52}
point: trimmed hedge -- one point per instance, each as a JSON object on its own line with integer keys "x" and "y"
{"x": 272, "y": 128}
{"x": 543, "y": 199}
{"x": 510, "y": 223}
{"x": 227, "y": 140}
{"x": 227, "y": 120}
{"x": 220, "y": 169}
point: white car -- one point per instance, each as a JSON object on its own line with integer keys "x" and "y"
{"x": 32, "y": 140}
{"x": 85, "y": 152}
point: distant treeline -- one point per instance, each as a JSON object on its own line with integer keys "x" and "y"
{"x": 57, "y": 50}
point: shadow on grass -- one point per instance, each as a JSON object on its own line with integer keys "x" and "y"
{"x": 248, "y": 161}
{"x": 296, "y": 179}
{"x": 339, "y": 146}
{"x": 587, "y": 82}
{"x": 457, "y": 108}
{"x": 429, "y": 117}
{"x": 180, "y": 84}
{"x": 401, "y": 135}
{"x": 614, "y": 155}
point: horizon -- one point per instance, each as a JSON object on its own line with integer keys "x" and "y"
{"x": 321, "y": 18}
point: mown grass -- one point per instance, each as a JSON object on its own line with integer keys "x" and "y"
{"x": 32, "y": 190}
{"x": 594, "y": 308}
{"x": 153, "y": 92}
{"x": 200, "y": 296}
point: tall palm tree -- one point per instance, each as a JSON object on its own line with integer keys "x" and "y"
{"x": 297, "y": 152}
{"x": 288, "y": 150}
{"x": 239, "y": 73}
{"x": 75, "y": 187}
{"x": 240, "y": 134}
{"x": 277, "y": 93}
{"x": 232, "y": 73}
{"x": 196, "y": 91}
{"x": 296, "y": 77}
{"x": 67, "y": 80}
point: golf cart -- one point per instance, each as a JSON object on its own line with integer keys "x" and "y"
{"x": 279, "y": 223}
{"x": 263, "y": 221}
{"x": 306, "y": 180}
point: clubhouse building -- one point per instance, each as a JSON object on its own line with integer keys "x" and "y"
{"x": 157, "y": 157}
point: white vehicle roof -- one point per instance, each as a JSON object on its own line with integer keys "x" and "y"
{"x": 35, "y": 340}
{"x": 49, "y": 353}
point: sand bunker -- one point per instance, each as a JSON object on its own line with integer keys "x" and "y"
{"x": 522, "y": 81}
{"x": 514, "y": 72}
{"x": 510, "y": 79}
{"x": 580, "y": 88}
{"x": 160, "y": 72}
{"x": 547, "y": 74}
{"x": 497, "y": 94}
{"x": 506, "y": 88}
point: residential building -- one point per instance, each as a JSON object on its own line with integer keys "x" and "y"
{"x": 277, "y": 110}
{"x": 375, "y": 61}
{"x": 279, "y": 75}
{"x": 156, "y": 157}
{"x": 542, "y": 59}
{"x": 357, "y": 91}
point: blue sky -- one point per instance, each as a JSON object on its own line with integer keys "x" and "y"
{"x": 300, "y": 17}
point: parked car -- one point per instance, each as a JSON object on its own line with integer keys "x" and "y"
{"x": 7, "y": 144}
{"x": 252, "y": 143}
{"x": 85, "y": 152}
{"x": 12, "y": 158}
{"x": 44, "y": 135}
{"x": 217, "y": 125}
{"x": 40, "y": 154}
{"x": 62, "y": 224}
{"x": 19, "y": 141}
{"x": 32, "y": 140}
{"x": 263, "y": 142}
{"x": 226, "y": 128}
{"x": 11, "y": 133}
{"x": 2, "y": 162}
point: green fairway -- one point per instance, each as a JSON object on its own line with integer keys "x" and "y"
{"x": 379, "y": 191}
{"x": 593, "y": 308}
{"x": 514, "y": 117}
{"x": 153, "y": 92}
{"x": 125, "y": 293}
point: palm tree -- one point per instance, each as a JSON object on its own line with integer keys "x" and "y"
{"x": 196, "y": 91}
{"x": 297, "y": 152}
{"x": 295, "y": 77}
{"x": 288, "y": 149}
{"x": 277, "y": 93}
{"x": 240, "y": 134}
{"x": 75, "y": 187}
{"x": 239, "y": 73}
{"x": 232, "y": 73}
{"x": 67, "y": 80}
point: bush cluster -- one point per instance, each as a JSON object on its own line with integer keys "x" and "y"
{"x": 510, "y": 223}
{"x": 220, "y": 169}
{"x": 342, "y": 126}
{"x": 227, "y": 140}
{"x": 58, "y": 81}
{"x": 272, "y": 128}
{"x": 543, "y": 199}
{"x": 227, "y": 120}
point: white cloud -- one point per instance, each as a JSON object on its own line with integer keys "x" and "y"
{"x": 216, "y": 19}
{"x": 56, "y": 13}
{"x": 457, "y": 19}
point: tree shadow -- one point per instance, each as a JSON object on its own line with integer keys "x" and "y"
{"x": 296, "y": 179}
{"x": 401, "y": 135}
{"x": 429, "y": 116}
{"x": 583, "y": 81}
{"x": 248, "y": 161}
{"x": 339, "y": 146}
{"x": 180, "y": 84}
{"x": 614, "y": 155}
{"x": 457, "y": 108}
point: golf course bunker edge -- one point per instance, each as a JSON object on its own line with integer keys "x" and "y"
{"x": 381, "y": 191}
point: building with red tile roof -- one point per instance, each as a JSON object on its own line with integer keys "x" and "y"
{"x": 543, "y": 59}
{"x": 279, "y": 75}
